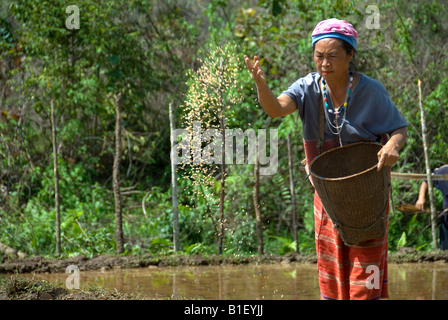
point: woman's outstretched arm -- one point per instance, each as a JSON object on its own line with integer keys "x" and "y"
{"x": 272, "y": 105}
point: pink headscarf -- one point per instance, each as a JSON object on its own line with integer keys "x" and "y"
{"x": 335, "y": 28}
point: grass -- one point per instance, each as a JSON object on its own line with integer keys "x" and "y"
{"x": 23, "y": 288}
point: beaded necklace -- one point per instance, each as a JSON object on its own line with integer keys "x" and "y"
{"x": 339, "y": 110}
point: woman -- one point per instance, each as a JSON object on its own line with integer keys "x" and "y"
{"x": 357, "y": 108}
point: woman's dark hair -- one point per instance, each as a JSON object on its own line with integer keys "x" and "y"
{"x": 348, "y": 47}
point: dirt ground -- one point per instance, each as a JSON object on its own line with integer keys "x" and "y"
{"x": 19, "y": 288}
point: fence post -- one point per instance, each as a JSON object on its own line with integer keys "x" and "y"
{"x": 428, "y": 169}
{"x": 174, "y": 184}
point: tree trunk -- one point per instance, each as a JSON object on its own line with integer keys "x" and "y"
{"x": 223, "y": 163}
{"x": 293, "y": 194}
{"x": 56, "y": 180}
{"x": 116, "y": 178}
{"x": 256, "y": 198}
{"x": 174, "y": 184}
{"x": 428, "y": 170}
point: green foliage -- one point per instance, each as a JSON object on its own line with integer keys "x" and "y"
{"x": 402, "y": 241}
{"x": 85, "y": 224}
{"x": 281, "y": 245}
{"x": 150, "y": 51}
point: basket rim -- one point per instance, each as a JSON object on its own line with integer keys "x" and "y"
{"x": 337, "y": 149}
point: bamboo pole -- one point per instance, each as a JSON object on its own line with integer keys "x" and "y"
{"x": 56, "y": 180}
{"x": 428, "y": 169}
{"x": 174, "y": 183}
{"x": 256, "y": 200}
{"x": 223, "y": 162}
{"x": 419, "y": 176}
{"x": 293, "y": 194}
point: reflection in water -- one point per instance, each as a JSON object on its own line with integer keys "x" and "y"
{"x": 252, "y": 282}
{"x": 418, "y": 281}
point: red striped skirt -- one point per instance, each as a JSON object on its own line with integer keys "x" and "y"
{"x": 348, "y": 273}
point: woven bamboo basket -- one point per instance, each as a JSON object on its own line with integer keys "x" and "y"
{"x": 353, "y": 192}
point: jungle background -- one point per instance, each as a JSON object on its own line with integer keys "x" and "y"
{"x": 147, "y": 52}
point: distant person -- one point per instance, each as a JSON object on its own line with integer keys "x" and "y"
{"x": 442, "y": 185}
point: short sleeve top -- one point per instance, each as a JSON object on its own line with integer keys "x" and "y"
{"x": 370, "y": 112}
{"x": 442, "y": 185}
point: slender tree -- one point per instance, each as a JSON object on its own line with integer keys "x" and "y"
{"x": 116, "y": 178}
{"x": 174, "y": 183}
{"x": 256, "y": 200}
{"x": 428, "y": 169}
{"x": 222, "y": 191}
{"x": 293, "y": 193}
{"x": 56, "y": 180}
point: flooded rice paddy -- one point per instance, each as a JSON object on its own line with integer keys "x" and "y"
{"x": 416, "y": 281}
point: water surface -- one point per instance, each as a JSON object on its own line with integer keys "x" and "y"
{"x": 253, "y": 282}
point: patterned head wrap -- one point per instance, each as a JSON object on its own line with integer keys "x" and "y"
{"x": 335, "y": 28}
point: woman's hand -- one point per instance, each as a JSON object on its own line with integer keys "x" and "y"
{"x": 389, "y": 153}
{"x": 420, "y": 204}
{"x": 272, "y": 105}
{"x": 256, "y": 71}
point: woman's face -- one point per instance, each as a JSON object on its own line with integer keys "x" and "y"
{"x": 331, "y": 58}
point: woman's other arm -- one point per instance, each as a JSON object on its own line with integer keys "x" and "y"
{"x": 389, "y": 153}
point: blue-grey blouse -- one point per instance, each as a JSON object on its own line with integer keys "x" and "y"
{"x": 370, "y": 112}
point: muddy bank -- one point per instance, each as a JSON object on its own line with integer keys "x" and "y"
{"x": 21, "y": 288}
{"x": 411, "y": 255}
{"x": 108, "y": 262}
